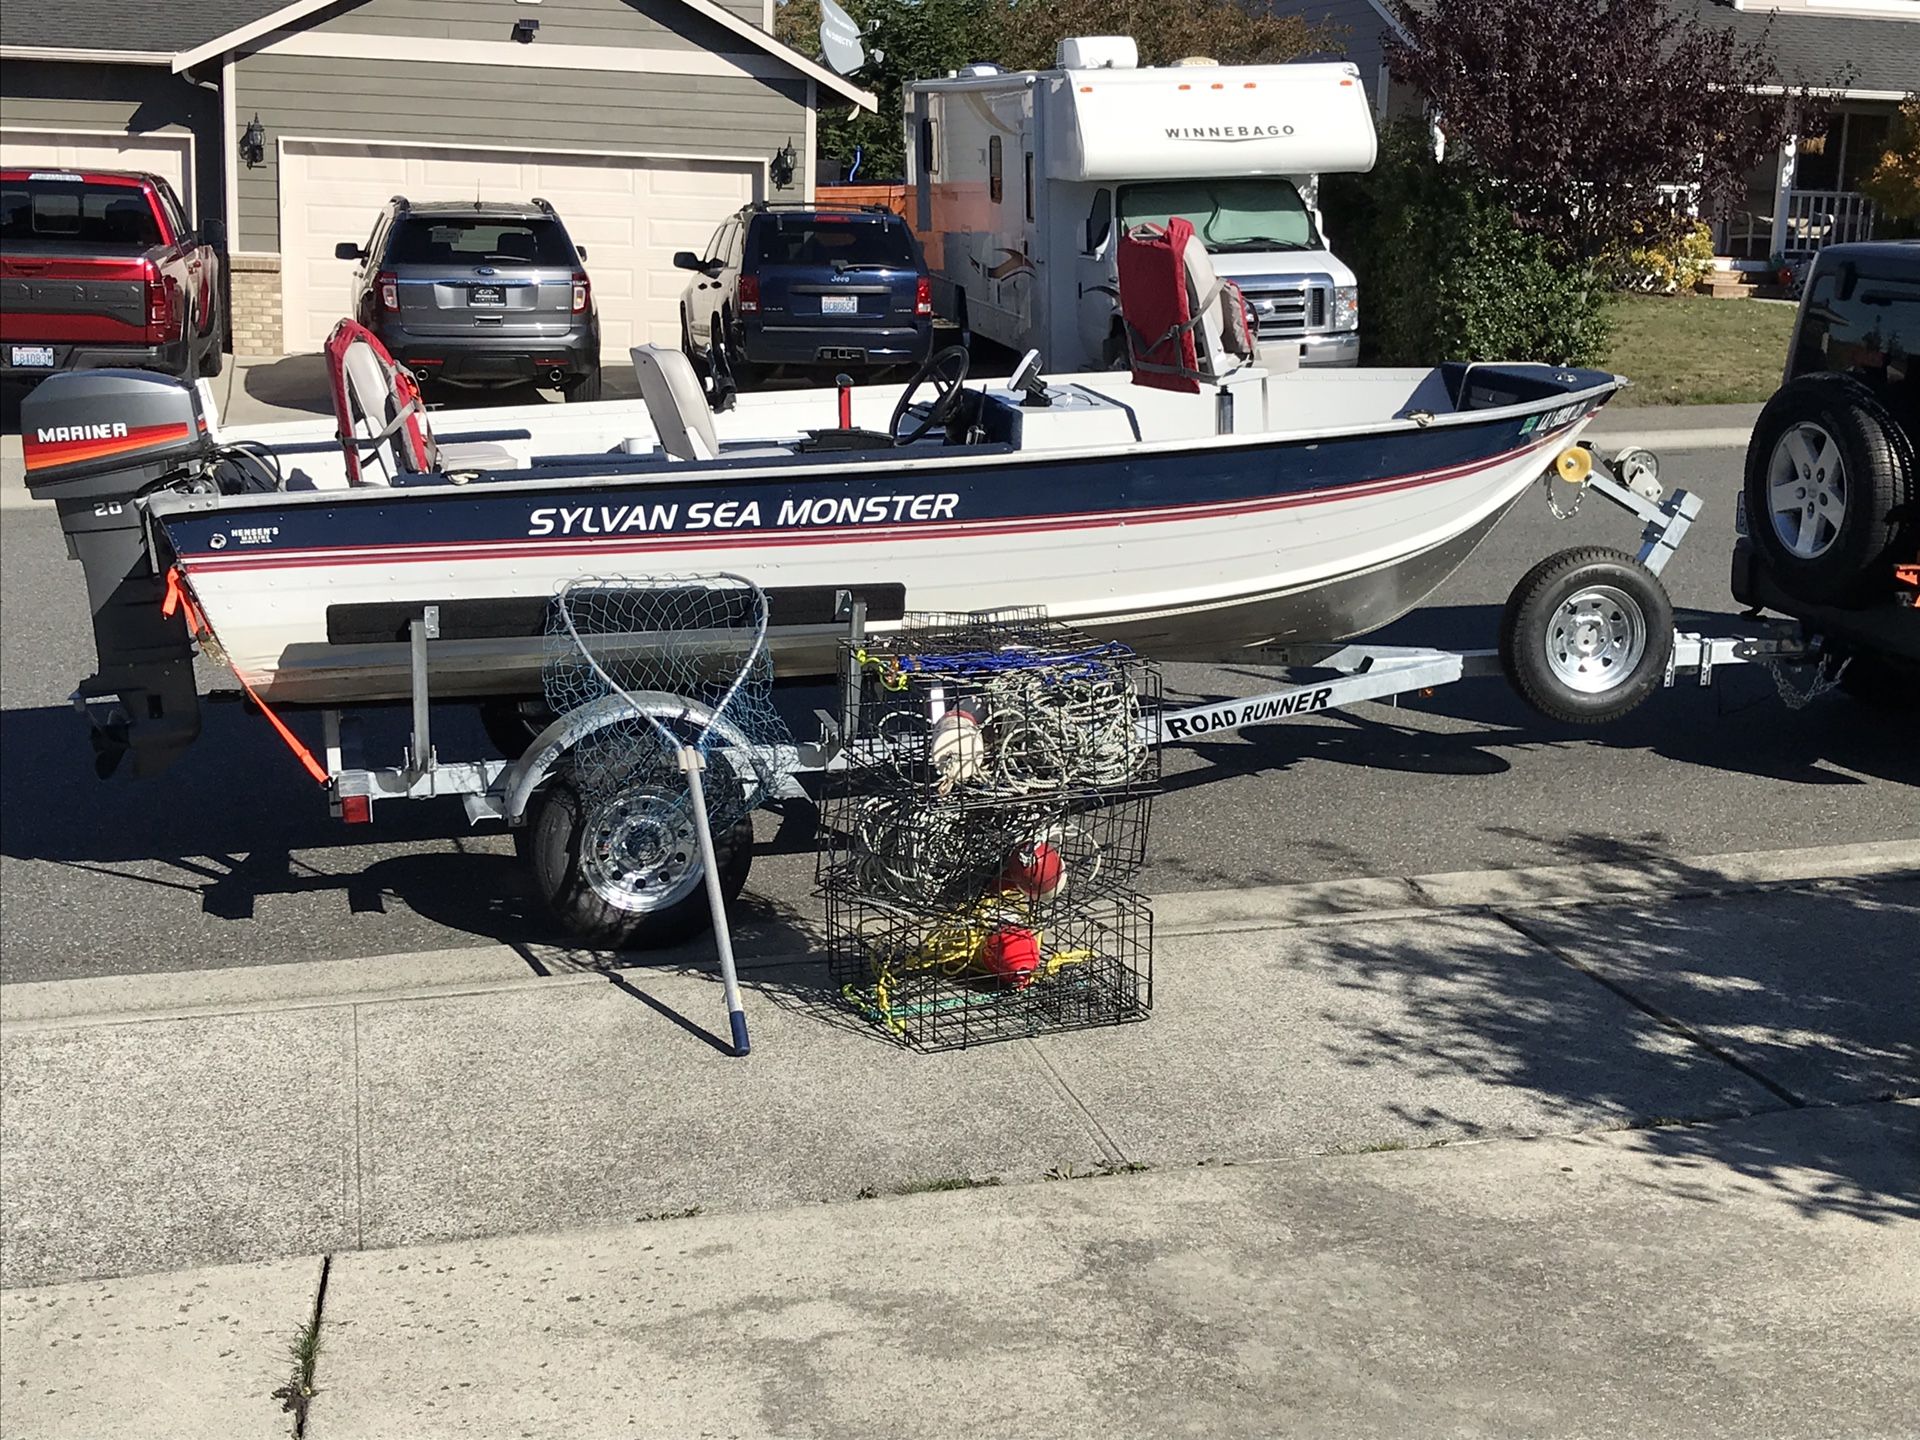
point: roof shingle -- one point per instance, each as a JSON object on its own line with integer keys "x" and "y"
{"x": 164, "y": 25}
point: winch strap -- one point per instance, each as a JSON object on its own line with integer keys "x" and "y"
{"x": 180, "y": 598}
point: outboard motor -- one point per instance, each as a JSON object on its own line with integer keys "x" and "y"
{"x": 94, "y": 441}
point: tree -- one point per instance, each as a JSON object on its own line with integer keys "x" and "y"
{"x": 1894, "y": 184}
{"x": 921, "y": 39}
{"x": 1585, "y": 113}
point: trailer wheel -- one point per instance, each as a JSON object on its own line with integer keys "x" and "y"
{"x": 623, "y": 869}
{"x": 1586, "y": 635}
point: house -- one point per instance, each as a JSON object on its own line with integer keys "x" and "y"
{"x": 287, "y": 125}
{"x": 1863, "y": 54}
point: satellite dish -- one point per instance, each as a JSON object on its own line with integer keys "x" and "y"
{"x": 840, "y": 43}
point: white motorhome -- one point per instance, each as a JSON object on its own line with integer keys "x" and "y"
{"x": 1022, "y": 183}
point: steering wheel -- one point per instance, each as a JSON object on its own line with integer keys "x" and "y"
{"x": 947, "y": 369}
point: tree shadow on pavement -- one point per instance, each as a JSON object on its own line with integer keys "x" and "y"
{"x": 1648, "y": 1015}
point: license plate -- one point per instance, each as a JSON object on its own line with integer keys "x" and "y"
{"x": 35, "y": 356}
{"x": 839, "y": 305}
{"x": 486, "y": 295}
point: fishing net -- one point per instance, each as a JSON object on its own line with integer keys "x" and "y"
{"x": 667, "y": 662}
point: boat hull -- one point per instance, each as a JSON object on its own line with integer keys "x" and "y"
{"x": 1178, "y": 551}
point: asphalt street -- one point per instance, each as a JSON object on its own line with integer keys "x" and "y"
{"x": 231, "y": 859}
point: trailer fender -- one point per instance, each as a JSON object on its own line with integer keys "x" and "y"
{"x": 678, "y": 712}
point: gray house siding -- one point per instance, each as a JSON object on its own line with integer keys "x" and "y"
{"x": 139, "y": 99}
{"x": 474, "y": 105}
{"x": 1357, "y": 32}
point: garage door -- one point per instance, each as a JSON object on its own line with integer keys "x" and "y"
{"x": 630, "y": 213}
{"x": 167, "y": 154}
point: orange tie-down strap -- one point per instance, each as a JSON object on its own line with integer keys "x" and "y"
{"x": 180, "y": 598}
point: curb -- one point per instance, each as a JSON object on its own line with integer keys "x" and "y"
{"x": 1663, "y": 879}
{"x": 444, "y": 974}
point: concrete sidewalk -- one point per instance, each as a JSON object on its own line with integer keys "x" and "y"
{"x": 1749, "y": 1279}
{"x": 165, "y": 1122}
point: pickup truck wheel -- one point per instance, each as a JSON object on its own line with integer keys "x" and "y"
{"x": 1586, "y": 636}
{"x": 623, "y": 869}
{"x": 214, "y": 355}
{"x": 695, "y": 357}
{"x": 1824, "y": 474}
{"x": 586, "y": 388}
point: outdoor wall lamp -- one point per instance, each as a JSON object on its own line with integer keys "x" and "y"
{"x": 525, "y": 30}
{"x": 253, "y": 142}
{"x": 781, "y": 168}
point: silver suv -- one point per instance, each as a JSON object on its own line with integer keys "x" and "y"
{"x": 479, "y": 293}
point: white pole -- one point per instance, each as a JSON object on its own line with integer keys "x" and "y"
{"x": 692, "y": 762}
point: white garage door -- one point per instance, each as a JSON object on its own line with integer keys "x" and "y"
{"x": 167, "y": 155}
{"x": 629, "y": 212}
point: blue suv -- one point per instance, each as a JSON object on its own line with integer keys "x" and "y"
{"x": 810, "y": 287}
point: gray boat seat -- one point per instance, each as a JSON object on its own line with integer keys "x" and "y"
{"x": 459, "y": 456}
{"x": 678, "y": 407}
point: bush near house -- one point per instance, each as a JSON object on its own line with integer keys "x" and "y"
{"x": 1666, "y": 267}
{"x": 1445, "y": 272}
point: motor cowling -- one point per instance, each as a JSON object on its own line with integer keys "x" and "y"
{"x": 93, "y": 442}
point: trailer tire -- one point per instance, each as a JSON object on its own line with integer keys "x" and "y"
{"x": 1853, "y": 473}
{"x": 1586, "y": 636}
{"x": 575, "y": 891}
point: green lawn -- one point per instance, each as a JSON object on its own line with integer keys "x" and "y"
{"x": 1690, "y": 350}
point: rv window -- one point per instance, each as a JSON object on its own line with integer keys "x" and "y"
{"x": 1099, "y": 221}
{"x": 928, "y": 161}
{"x": 1029, "y": 185}
{"x": 1228, "y": 214}
{"x": 995, "y": 187}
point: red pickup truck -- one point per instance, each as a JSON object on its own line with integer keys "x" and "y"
{"x": 100, "y": 267}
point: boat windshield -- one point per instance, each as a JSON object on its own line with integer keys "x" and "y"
{"x": 1229, "y": 214}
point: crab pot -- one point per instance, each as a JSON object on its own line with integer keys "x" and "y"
{"x": 992, "y": 971}
{"x": 989, "y": 707}
{"x": 1046, "y": 851}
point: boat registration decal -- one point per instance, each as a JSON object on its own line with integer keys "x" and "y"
{"x": 1553, "y": 419}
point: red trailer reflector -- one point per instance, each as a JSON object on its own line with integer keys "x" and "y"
{"x": 356, "y": 809}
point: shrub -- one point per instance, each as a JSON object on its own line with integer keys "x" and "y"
{"x": 1658, "y": 269}
{"x": 1446, "y": 274}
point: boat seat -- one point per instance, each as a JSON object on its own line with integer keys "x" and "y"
{"x": 480, "y": 455}
{"x": 1186, "y": 327}
{"x": 678, "y": 407}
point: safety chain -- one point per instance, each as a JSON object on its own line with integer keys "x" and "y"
{"x": 1792, "y": 696}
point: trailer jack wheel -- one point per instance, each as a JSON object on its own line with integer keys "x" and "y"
{"x": 1586, "y": 636}
{"x": 623, "y": 869}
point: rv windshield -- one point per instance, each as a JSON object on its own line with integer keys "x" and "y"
{"x": 1228, "y": 214}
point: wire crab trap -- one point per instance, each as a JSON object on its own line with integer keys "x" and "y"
{"x": 998, "y": 970}
{"x": 1046, "y": 850}
{"x": 980, "y": 845}
{"x": 999, "y": 704}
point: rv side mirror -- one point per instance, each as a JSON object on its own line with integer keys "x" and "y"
{"x": 347, "y": 250}
{"x": 685, "y": 260}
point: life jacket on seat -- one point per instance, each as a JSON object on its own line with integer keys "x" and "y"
{"x": 1184, "y": 324}
{"x": 383, "y": 424}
